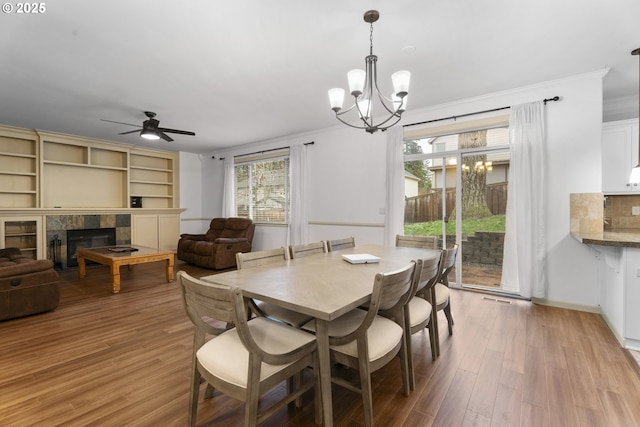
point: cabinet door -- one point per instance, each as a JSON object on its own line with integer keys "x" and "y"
{"x": 144, "y": 230}
{"x": 619, "y": 156}
{"x": 168, "y": 232}
{"x": 156, "y": 231}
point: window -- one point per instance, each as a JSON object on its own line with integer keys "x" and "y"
{"x": 262, "y": 188}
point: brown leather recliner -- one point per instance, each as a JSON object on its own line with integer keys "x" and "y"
{"x": 218, "y": 247}
{"x": 27, "y": 286}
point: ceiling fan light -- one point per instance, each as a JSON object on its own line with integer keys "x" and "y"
{"x": 150, "y": 134}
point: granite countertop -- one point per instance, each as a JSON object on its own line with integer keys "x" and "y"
{"x": 625, "y": 238}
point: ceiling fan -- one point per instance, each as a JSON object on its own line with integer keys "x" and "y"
{"x": 151, "y": 129}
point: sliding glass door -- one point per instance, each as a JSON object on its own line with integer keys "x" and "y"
{"x": 456, "y": 189}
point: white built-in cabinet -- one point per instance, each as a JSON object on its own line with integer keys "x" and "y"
{"x": 24, "y": 233}
{"x": 156, "y": 231}
{"x": 619, "y": 270}
{"x": 619, "y": 156}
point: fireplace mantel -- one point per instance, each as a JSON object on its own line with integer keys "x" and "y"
{"x": 19, "y": 212}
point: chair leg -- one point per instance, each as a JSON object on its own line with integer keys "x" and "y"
{"x": 405, "y": 364}
{"x": 193, "y": 396}
{"x": 432, "y": 340}
{"x": 253, "y": 393}
{"x": 447, "y": 313}
{"x": 208, "y": 394}
{"x": 294, "y": 384}
{"x": 412, "y": 379}
{"x": 365, "y": 387}
{"x": 433, "y": 323}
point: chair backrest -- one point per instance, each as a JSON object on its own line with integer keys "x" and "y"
{"x": 426, "y": 276}
{"x": 337, "y": 244}
{"x": 255, "y": 259}
{"x": 447, "y": 263}
{"x": 391, "y": 292}
{"x": 203, "y": 300}
{"x": 427, "y": 242}
{"x": 226, "y": 304}
{"x": 301, "y": 251}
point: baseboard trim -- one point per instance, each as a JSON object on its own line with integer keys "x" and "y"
{"x": 568, "y": 305}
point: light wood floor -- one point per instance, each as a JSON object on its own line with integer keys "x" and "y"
{"x": 123, "y": 360}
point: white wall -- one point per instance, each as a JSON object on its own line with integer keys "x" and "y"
{"x": 347, "y": 178}
{"x": 191, "y": 193}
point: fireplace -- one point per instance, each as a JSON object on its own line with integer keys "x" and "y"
{"x": 87, "y": 238}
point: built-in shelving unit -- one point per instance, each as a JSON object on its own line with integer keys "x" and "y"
{"x": 46, "y": 174}
{"x": 152, "y": 179}
{"x": 83, "y": 173}
{"x": 22, "y": 233}
{"x": 18, "y": 169}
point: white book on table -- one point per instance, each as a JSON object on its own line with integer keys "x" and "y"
{"x": 360, "y": 258}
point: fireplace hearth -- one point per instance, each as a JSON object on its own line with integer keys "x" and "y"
{"x": 87, "y": 238}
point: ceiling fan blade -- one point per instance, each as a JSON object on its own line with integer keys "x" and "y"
{"x": 131, "y": 131}
{"x": 120, "y": 123}
{"x": 165, "y": 137}
{"x": 181, "y": 132}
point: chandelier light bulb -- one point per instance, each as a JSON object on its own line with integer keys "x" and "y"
{"x": 364, "y": 108}
{"x": 336, "y": 98}
{"x": 356, "y": 81}
{"x": 401, "y": 81}
{"x": 399, "y": 104}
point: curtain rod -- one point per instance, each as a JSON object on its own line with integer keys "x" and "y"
{"x": 555, "y": 98}
{"x": 265, "y": 151}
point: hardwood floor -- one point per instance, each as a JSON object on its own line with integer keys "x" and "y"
{"x": 123, "y": 360}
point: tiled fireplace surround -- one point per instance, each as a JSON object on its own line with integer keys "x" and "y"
{"x": 59, "y": 224}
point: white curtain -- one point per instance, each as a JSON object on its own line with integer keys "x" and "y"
{"x": 524, "y": 262}
{"x": 228, "y": 199}
{"x": 299, "y": 221}
{"x": 394, "y": 218}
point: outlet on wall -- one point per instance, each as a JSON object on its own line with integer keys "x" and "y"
{"x": 635, "y": 210}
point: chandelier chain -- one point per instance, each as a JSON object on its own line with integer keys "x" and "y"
{"x": 371, "y": 40}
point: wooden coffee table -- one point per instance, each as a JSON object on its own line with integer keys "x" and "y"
{"x": 115, "y": 256}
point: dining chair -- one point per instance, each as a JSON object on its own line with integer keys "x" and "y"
{"x": 337, "y": 244}
{"x": 427, "y": 242}
{"x": 419, "y": 313}
{"x": 442, "y": 293}
{"x": 262, "y": 308}
{"x": 308, "y": 249}
{"x": 363, "y": 340}
{"x": 248, "y": 360}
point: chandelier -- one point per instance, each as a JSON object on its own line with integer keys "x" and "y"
{"x": 363, "y": 85}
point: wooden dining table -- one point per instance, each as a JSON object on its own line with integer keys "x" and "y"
{"x": 323, "y": 286}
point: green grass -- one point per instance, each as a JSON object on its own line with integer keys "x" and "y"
{"x": 469, "y": 226}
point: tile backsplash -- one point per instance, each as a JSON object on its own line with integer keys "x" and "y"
{"x": 618, "y": 212}
{"x": 586, "y": 212}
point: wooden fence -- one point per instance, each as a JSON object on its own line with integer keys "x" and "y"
{"x": 428, "y": 207}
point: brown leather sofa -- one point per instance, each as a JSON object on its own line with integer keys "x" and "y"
{"x": 218, "y": 247}
{"x": 27, "y": 286}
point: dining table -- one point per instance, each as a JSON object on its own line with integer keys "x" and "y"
{"x": 323, "y": 286}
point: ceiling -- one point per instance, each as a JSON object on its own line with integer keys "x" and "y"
{"x": 236, "y": 72}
